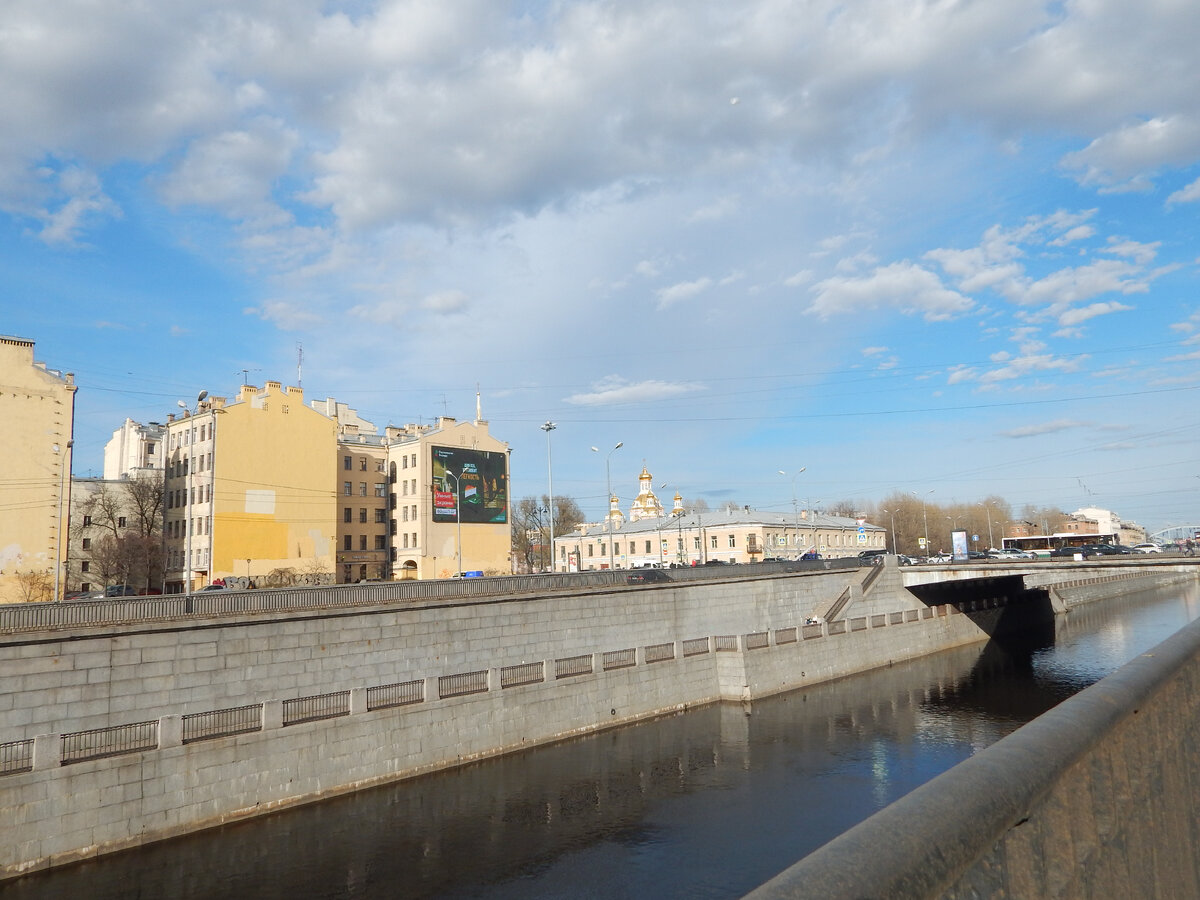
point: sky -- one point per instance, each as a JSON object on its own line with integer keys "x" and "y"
{"x": 944, "y": 247}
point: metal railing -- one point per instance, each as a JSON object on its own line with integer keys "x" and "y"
{"x": 785, "y": 635}
{"x": 619, "y": 659}
{"x": 318, "y": 706}
{"x": 400, "y": 693}
{"x": 757, "y": 640}
{"x": 695, "y": 646}
{"x": 725, "y": 643}
{"x": 523, "y": 673}
{"x": 97, "y": 743}
{"x": 16, "y": 756}
{"x": 462, "y": 684}
{"x": 660, "y": 652}
{"x": 571, "y": 666}
{"x": 217, "y": 723}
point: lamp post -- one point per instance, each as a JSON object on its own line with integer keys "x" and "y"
{"x": 892, "y": 515}
{"x": 190, "y": 474}
{"x": 608, "y": 497}
{"x": 991, "y": 540}
{"x": 795, "y": 510}
{"x": 549, "y": 427}
{"x": 924, "y": 516}
{"x": 446, "y": 473}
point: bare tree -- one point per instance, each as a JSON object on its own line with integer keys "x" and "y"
{"x": 34, "y": 587}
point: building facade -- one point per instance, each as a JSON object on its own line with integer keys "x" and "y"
{"x": 132, "y": 448}
{"x": 116, "y": 534}
{"x": 250, "y": 491}
{"x": 683, "y": 538}
{"x": 37, "y": 407}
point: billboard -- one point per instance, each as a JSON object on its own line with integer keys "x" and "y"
{"x": 470, "y": 483}
{"x": 959, "y": 541}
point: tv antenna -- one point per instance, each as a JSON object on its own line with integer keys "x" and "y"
{"x": 245, "y": 375}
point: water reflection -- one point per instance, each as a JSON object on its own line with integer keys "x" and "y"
{"x": 705, "y": 804}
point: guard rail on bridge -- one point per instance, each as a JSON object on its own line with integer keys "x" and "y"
{"x": 25, "y": 617}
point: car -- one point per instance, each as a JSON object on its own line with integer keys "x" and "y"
{"x": 1147, "y": 548}
{"x": 811, "y": 554}
{"x": 120, "y": 590}
{"x": 213, "y": 587}
{"x": 1066, "y": 552}
{"x": 976, "y": 554}
{"x": 716, "y": 562}
{"x": 871, "y": 554}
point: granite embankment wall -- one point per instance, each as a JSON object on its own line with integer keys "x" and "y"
{"x": 330, "y": 702}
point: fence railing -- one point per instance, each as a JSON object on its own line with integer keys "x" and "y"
{"x": 74, "y": 747}
{"x": 16, "y": 756}
{"x": 462, "y": 684}
{"x": 318, "y": 706}
{"x": 96, "y": 743}
{"x": 400, "y": 693}
{"x": 217, "y": 723}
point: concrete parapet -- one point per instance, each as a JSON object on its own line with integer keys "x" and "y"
{"x": 1099, "y": 797}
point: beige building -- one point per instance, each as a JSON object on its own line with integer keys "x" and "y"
{"x": 37, "y": 407}
{"x": 449, "y": 500}
{"x": 250, "y": 491}
{"x": 133, "y": 448}
{"x": 116, "y": 534}
{"x": 685, "y": 538}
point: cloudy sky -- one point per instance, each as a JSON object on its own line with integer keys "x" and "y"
{"x": 944, "y": 246}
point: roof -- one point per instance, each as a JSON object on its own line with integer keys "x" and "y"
{"x": 718, "y": 518}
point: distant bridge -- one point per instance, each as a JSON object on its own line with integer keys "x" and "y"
{"x": 1177, "y": 533}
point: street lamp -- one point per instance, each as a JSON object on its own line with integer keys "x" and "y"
{"x": 191, "y": 475}
{"x": 795, "y": 511}
{"x": 924, "y": 515}
{"x": 991, "y": 540}
{"x": 608, "y": 497}
{"x": 549, "y": 427}
{"x": 892, "y": 515}
{"x": 446, "y": 473}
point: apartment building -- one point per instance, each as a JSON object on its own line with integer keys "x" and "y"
{"x": 37, "y": 407}
{"x": 250, "y": 491}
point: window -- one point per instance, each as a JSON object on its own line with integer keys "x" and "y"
{"x": 87, "y": 520}
{"x": 346, "y": 463}
{"x": 414, "y": 486}
{"x": 393, "y": 527}
{"x": 647, "y": 546}
{"x": 733, "y": 540}
{"x": 381, "y": 542}
{"x": 346, "y": 515}
{"x": 362, "y": 489}
{"x": 590, "y": 550}
{"x": 362, "y": 572}
{"x": 87, "y": 543}
{"x": 414, "y": 460}
{"x": 712, "y": 542}
{"x": 381, "y": 489}
{"x": 347, "y": 488}
{"x": 120, "y": 521}
{"x": 380, "y": 516}
{"x": 362, "y": 516}
{"x": 414, "y": 539}
{"x": 346, "y": 542}
{"x": 362, "y": 542}
{"x": 362, "y": 463}
{"x": 405, "y": 514}
{"x": 414, "y": 512}
{"x": 404, "y": 461}
{"x": 404, "y": 488}
{"x": 84, "y": 566}
{"x": 406, "y": 540}
{"x": 696, "y": 542}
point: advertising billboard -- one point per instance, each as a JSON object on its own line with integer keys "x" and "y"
{"x": 470, "y": 483}
{"x": 959, "y": 541}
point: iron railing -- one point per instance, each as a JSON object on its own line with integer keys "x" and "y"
{"x": 724, "y": 643}
{"x": 695, "y": 646}
{"x": 573, "y": 665}
{"x": 97, "y": 743}
{"x": 16, "y": 756}
{"x": 401, "y": 693}
{"x": 462, "y": 684}
{"x": 660, "y": 652}
{"x": 522, "y": 673}
{"x": 216, "y": 723}
{"x": 620, "y": 659}
{"x": 757, "y": 640}
{"x": 318, "y": 706}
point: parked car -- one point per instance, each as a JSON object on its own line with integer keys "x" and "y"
{"x": 1147, "y": 548}
{"x": 120, "y": 590}
{"x": 1066, "y": 552}
{"x": 213, "y": 587}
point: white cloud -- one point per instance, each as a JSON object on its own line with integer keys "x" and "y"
{"x": 714, "y": 212}
{"x": 446, "y": 302}
{"x": 615, "y": 389}
{"x": 1122, "y": 157}
{"x": 1076, "y": 316}
{"x": 285, "y": 315}
{"x": 684, "y": 290}
{"x": 874, "y": 351}
{"x": 799, "y": 279}
{"x": 1043, "y": 428}
{"x": 1189, "y": 194}
{"x": 904, "y": 286}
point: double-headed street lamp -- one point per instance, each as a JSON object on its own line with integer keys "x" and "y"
{"x": 608, "y": 497}
{"x": 795, "y": 510}
{"x": 892, "y": 515}
{"x": 549, "y": 427}
{"x": 446, "y": 473}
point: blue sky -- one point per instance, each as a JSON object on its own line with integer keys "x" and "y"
{"x": 945, "y": 247}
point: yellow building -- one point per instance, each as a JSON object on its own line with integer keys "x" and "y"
{"x": 37, "y": 407}
{"x": 250, "y": 491}
{"x": 449, "y": 500}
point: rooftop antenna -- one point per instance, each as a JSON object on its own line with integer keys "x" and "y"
{"x": 299, "y": 364}
{"x": 478, "y": 406}
{"x": 245, "y": 375}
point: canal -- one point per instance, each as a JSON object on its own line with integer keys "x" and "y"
{"x": 707, "y": 803}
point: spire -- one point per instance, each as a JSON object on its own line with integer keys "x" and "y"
{"x": 478, "y": 406}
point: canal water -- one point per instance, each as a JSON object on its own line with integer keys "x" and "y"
{"x": 707, "y": 803}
